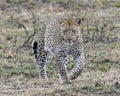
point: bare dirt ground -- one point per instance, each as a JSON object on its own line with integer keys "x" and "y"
{"x": 18, "y": 71}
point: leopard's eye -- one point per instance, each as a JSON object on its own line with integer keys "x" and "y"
{"x": 74, "y": 31}
{"x": 64, "y": 31}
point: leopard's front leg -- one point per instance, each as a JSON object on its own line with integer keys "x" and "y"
{"x": 61, "y": 66}
{"x": 79, "y": 61}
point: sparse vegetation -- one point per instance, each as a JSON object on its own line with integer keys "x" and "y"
{"x": 117, "y": 4}
{"x": 19, "y": 75}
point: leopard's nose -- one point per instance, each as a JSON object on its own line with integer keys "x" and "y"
{"x": 69, "y": 40}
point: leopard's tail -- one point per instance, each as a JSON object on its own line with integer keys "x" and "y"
{"x": 35, "y": 51}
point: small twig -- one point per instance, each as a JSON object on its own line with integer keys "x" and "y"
{"x": 34, "y": 30}
{"x": 34, "y": 23}
{"x": 23, "y": 26}
{"x": 28, "y": 39}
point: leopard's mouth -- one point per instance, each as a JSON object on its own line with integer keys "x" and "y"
{"x": 68, "y": 42}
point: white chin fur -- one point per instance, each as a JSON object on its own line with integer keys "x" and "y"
{"x": 68, "y": 43}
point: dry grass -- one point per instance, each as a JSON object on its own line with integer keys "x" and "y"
{"x": 18, "y": 72}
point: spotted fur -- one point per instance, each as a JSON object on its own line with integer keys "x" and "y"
{"x": 60, "y": 37}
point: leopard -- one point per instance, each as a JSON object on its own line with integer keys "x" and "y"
{"x": 60, "y": 37}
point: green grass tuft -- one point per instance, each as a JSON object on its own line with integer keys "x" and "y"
{"x": 117, "y": 4}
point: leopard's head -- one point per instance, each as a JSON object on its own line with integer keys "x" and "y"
{"x": 70, "y": 30}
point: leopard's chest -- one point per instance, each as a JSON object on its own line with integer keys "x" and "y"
{"x": 66, "y": 49}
